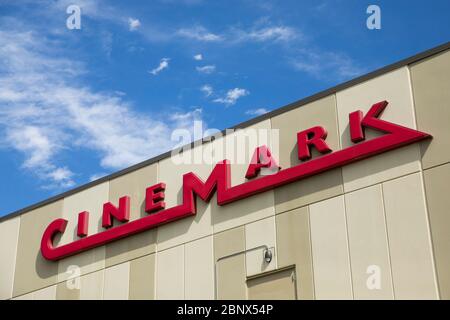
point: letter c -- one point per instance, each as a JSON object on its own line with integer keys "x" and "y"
{"x": 47, "y": 248}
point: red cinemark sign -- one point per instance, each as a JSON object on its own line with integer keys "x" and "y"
{"x": 220, "y": 181}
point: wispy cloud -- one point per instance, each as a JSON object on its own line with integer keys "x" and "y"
{"x": 232, "y": 96}
{"x": 262, "y": 30}
{"x": 320, "y": 7}
{"x": 97, "y": 176}
{"x": 234, "y": 35}
{"x": 185, "y": 119}
{"x": 133, "y": 24}
{"x": 207, "y": 90}
{"x": 163, "y": 64}
{"x": 326, "y": 65}
{"x": 206, "y": 69}
{"x": 263, "y": 34}
{"x": 106, "y": 12}
{"x": 184, "y": 2}
{"x": 198, "y": 33}
{"x": 106, "y": 41}
{"x": 39, "y": 147}
{"x": 198, "y": 57}
{"x": 257, "y": 112}
{"x": 46, "y": 111}
{"x": 62, "y": 177}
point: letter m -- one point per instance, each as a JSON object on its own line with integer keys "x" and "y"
{"x": 219, "y": 179}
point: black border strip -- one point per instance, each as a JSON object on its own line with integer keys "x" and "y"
{"x": 289, "y": 107}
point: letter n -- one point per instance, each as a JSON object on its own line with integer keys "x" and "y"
{"x": 122, "y": 213}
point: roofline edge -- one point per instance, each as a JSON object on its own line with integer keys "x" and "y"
{"x": 317, "y": 96}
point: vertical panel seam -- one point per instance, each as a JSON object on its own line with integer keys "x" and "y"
{"x": 275, "y": 242}
{"x": 411, "y": 95}
{"x": 155, "y": 277}
{"x": 348, "y": 248}
{"x": 15, "y": 258}
{"x": 346, "y": 230}
{"x": 311, "y": 252}
{"x": 430, "y": 238}
{"x": 103, "y": 286}
{"x": 184, "y": 271}
{"x": 387, "y": 240}
{"x": 245, "y": 260}
{"x": 128, "y": 279}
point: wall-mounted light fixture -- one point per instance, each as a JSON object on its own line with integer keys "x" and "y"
{"x": 267, "y": 255}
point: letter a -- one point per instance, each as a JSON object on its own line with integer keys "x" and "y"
{"x": 262, "y": 158}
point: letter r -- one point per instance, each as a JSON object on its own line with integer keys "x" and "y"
{"x": 309, "y": 138}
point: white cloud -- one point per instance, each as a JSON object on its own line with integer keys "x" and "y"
{"x": 206, "y": 69}
{"x": 45, "y": 113}
{"x": 185, "y": 2}
{"x": 39, "y": 146}
{"x": 260, "y": 33}
{"x": 97, "y": 176}
{"x": 207, "y": 90}
{"x": 232, "y": 96}
{"x": 279, "y": 33}
{"x": 62, "y": 177}
{"x": 104, "y": 12}
{"x": 320, "y": 7}
{"x": 106, "y": 41}
{"x": 326, "y": 65}
{"x": 185, "y": 119}
{"x": 198, "y": 33}
{"x": 33, "y": 141}
{"x": 133, "y": 24}
{"x": 198, "y": 57}
{"x": 163, "y": 64}
{"x": 257, "y": 112}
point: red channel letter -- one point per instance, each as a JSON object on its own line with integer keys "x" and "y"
{"x": 122, "y": 213}
{"x": 313, "y": 137}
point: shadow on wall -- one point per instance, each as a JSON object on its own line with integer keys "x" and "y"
{"x": 406, "y": 159}
{"x": 424, "y": 145}
{"x": 45, "y": 269}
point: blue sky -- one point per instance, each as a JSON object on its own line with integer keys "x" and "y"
{"x": 79, "y": 104}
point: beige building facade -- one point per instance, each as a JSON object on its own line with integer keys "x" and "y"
{"x": 378, "y": 228}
